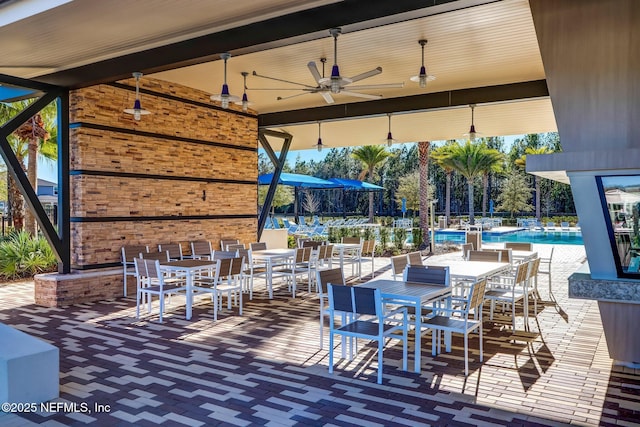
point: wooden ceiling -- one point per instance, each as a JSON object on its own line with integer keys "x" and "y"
{"x": 471, "y": 44}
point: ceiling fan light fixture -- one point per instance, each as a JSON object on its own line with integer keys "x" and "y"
{"x": 319, "y": 145}
{"x": 422, "y": 78}
{"x": 390, "y": 139}
{"x": 244, "y": 102}
{"x": 225, "y": 97}
{"x": 137, "y": 109}
{"x": 472, "y": 134}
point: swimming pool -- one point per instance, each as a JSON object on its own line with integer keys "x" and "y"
{"x": 553, "y": 237}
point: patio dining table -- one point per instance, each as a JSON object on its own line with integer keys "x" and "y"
{"x": 524, "y": 256}
{"x": 470, "y": 270}
{"x": 410, "y": 294}
{"x": 270, "y": 257}
{"x": 188, "y": 267}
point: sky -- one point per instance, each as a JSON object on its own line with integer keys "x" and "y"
{"x": 49, "y": 171}
{"x": 313, "y": 154}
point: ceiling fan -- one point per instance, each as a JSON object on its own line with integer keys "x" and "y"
{"x": 336, "y": 83}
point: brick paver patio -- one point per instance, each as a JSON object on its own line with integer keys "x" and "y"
{"x": 265, "y": 368}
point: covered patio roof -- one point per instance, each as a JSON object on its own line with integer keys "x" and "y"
{"x": 480, "y": 51}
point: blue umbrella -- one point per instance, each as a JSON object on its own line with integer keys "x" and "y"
{"x": 354, "y": 184}
{"x": 298, "y": 180}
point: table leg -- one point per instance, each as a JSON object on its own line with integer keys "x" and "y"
{"x": 189, "y": 280}
{"x": 418, "y": 333}
{"x": 270, "y": 278}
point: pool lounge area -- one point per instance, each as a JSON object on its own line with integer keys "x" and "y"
{"x": 555, "y": 236}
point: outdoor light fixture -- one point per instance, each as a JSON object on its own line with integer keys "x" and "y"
{"x": 137, "y": 110}
{"x": 319, "y": 144}
{"x": 245, "y": 100}
{"x": 422, "y": 78}
{"x": 224, "y": 97}
{"x": 472, "y": 130}
{"x": 390, "y": 139}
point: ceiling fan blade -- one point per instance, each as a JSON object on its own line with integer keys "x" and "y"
{"x": 314, "y": 71}
{"x": 283, "y": 81}
{"x": 368, "y": 74}
{"x": 282, "y": 98}
{"x": 378, "y": 86}
{"x": 327, "y": 97}
{"x": 279, "y": 88}
{"x": 360, "y": 95}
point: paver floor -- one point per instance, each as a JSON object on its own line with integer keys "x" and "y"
{"x": 266, "y": 367}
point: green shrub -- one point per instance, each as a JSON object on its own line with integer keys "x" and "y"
{"x": 22, "y": 255}
{"x": 399, "y": 237}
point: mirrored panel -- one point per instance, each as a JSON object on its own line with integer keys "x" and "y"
{"x": 621, "y": 200}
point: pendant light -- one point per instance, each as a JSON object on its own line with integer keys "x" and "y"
{"x": 422, "y": 78}
{"x": 390, "y": 139}
{"x": 472, "y": 130}
{"x": 224, "y": 97}
{"x": 319, "y": 144}
{"x": 245, "y": 100}
{"x": 137, "y": 109}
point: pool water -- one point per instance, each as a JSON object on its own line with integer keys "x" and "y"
{"x": 554, "y": 237}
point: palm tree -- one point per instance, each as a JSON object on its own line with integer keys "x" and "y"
{"x": 442, "y": 157}
{"x": 522, "y": 162}
{"x": 490, "y": 167}
{"x": 371, "y": 156}
{"x": 30, "y": 141}
{"x": 423, "y": 157}
{"x": 471, "y": 160}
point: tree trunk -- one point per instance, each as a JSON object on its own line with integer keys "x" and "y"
{"x": 447, "y": 208}
{"x": 537, "y": 185}
{"x": 371, "y": 198}
{"x": 17, "y": 205}
{"x": 471, "y": 217}
{"x": 485, "y": 186}
{"x": 32, "y": 175}
{"x": 423, "y": 158}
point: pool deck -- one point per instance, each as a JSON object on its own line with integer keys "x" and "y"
{"x": 507, "y": 230}
{"x": 265, "y": 367}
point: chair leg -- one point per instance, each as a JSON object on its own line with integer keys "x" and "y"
{"x": 331, "y": 350}
{"x": 321, "y": 327}
{"x": 138, "y": 298}
{"x": 380, "y": 350}
{"x": 466, "y": 353}
{"x": 161, "y": 305}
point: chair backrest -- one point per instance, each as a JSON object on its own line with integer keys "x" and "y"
{"x": 152, "y": 267}
{"x": 465, "y": 250}
{"x": 226, "y": 242}
{"x": 414, "y": 258}
{"x": 369, "y": 248}
{"x": 162, "y": 256}
{"x": 519, "y": 246}
{"x": 234, "y": 247}
{"x": 201, "y": 248}
{"x": 522, "y": 273}
{"x": 258, "y": 246}
{"x": 325, "y": 252}
{"x": 174, "y": 250}
{"x": 332, "y": 275}
{"x": 351, "y": 240}
{"x": 506, "y": 256}
{"x": 432, "y": 275}
{"x": 141, "y": 270}
{"x": 476, "y": 296}
{"x": 245, "y": 254}
{"x": 130, "y": 252}
{"x": 313, "y": 244}
{"x": 534, "y": 266}
{"x": 491, "y": 256}
{"x": 224, "y": 254}
{"x": 228, "y": 267}
{"x": 303, "y": 255}
{"x": 398, "y": 263}
{"x": 300, "y": 241}
{"x": 355, "y": 299}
